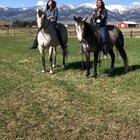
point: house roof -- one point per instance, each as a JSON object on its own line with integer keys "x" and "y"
{"x": 130, "y": 22}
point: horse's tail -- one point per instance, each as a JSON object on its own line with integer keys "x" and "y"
{"x": 65, "y": 51}
{"x": 120, "y": 41}
{"x": 64, "y": 34}
{"x": 120, "y": 47}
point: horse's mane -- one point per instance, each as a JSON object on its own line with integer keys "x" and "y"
{"x": 90, "y": 32}
{"x": 88, "y": 29}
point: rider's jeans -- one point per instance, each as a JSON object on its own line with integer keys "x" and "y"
{"x": 104, "y": 38}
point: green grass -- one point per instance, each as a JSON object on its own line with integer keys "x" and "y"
{"x": 66, "y": 105}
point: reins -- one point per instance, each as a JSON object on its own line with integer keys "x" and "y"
{"x": 42, "y": 27}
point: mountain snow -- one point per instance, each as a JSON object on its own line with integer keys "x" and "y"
{"x": 113, "y": 7}
{"x": 88, "y": 5}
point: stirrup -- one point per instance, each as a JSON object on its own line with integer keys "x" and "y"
{"x": 66, "y": 46}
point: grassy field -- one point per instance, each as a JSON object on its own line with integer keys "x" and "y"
{"x": 66, "y": 105}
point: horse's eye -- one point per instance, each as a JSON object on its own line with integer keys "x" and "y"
{"x": 78, "y": 29}
{"x": 42, "y": 19}
{"x": 82, "y": 27}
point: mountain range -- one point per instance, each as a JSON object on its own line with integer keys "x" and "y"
{"x": 66, "y": 12}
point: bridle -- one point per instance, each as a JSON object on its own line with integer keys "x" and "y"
{"x": 44, "y": 26}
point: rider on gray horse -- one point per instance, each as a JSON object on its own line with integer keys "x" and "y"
{"x": 100, "y": 16}
{"x": 52, "y": 16}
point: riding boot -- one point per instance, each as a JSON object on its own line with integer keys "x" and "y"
{"x": 35, "y": 44}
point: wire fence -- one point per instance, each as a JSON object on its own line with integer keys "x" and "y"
{"x": 127, "y": 32}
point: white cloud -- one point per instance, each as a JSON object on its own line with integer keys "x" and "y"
{"x": 41, "y": 3}
{"x": 135, "y": 5}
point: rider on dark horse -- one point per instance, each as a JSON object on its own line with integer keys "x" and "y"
{"x": 100, "y": 16}
{"x": 52, "y": 16}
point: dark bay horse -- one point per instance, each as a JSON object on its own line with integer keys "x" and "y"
{"x": 89, "y": 37}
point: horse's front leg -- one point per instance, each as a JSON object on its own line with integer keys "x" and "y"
{"x": 51, "y": 59}
{"x": 42, "y": 52}
{"x": 96, "y": 55}
{"x": 64, "y": 56}
{"x": 88, "y": 64}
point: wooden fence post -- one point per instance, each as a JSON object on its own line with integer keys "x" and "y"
{"x": 8, "y": 31}
{"x": 131, "y": 34}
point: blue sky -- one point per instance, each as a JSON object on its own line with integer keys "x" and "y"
{"x": 29, "y": 3}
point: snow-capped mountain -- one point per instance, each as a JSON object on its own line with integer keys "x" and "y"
{"x": 66, "y": 12}
{"x": 88, "y": 5}
{"x": 65, "y": 7}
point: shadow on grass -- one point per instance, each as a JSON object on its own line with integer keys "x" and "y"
{"x": 120, "y": 70}
{"x": 117, "y": 71}
{"x": 79, "y": 65}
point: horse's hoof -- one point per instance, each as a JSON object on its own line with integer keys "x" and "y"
{"x": 63, "y": 66}
{"x": 111, "y": 73}
{"x": 44, "y": 71}
{"x": 51, "y": 72}
{"x": 87, "y": 74}
{"x": 95, "y": 76}
{"x": 127, "y": 69}
{"x": 105, "y": 57}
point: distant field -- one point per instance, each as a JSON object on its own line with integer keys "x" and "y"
{"x": 66, "y": 105}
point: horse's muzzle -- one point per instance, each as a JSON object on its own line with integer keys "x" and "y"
{"x": 81, "y": 41}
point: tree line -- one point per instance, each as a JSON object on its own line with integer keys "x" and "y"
{"x": 23, "y": 24}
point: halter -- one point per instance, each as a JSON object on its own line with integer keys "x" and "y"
{"x": 44, "y": 26}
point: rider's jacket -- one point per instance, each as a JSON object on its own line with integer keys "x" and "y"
{"x": 100, "y": 17}
{"x": 53, "y": 13}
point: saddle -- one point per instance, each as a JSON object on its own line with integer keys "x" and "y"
{"x": 59, "y": 35}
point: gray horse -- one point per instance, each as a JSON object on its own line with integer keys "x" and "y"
{"x": 89, "y": 37}
{"x": 47, "y": 38}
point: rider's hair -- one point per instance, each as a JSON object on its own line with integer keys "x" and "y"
{"x": 103, "y": 4}
{"x": 53, "y": 2}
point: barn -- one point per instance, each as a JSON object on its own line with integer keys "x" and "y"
{"x": 127, "y": 24}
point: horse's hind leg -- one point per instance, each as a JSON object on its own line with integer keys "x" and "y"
{"x": 112, "y": 55}
{"x": 64, "y": 56}
{"x": 54, "y": 58}
{"x": 51, "y": 59}
{"x": 124, "y": 57}
{"x": 96, "y": 55}
{"x": 42, "y": 52}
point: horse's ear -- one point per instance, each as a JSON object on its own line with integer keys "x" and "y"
{"x": 37, "y": 10}
{"x": 44, "y": 9}
{"x": 75, "y": 18}
{"x": 84, "y": 19}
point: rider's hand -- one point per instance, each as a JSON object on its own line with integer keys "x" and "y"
{"x": 50, "y": 17}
